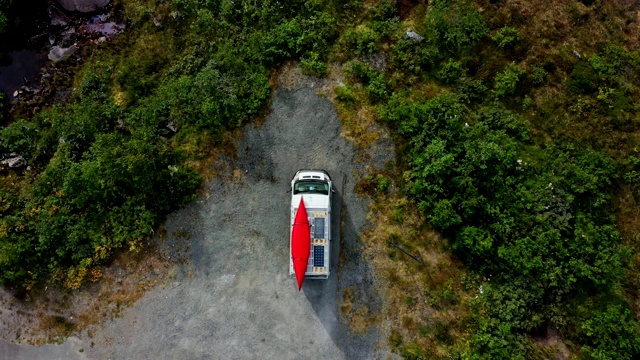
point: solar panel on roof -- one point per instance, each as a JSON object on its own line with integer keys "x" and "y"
{"x": 318, "y": 256}
{"x": 318, "y": 228}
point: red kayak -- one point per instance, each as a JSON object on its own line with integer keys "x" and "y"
{"x": 300, "y": 243}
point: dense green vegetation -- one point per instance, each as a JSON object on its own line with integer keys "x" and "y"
{"x": 521, "y": 200}
{"x": 517, "y": 158}
{"x": 105, "y": 166}
{"x": 4, "y": 20}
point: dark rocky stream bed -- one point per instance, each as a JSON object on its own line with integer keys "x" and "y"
{"x": 31, "y": 53}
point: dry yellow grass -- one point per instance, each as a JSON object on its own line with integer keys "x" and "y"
{"x": 359, "y": 318}
{"x": 55, "y": 313}
{"x": 426, "y": 304}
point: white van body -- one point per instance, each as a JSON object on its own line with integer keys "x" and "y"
{"x": 315, "y": 187}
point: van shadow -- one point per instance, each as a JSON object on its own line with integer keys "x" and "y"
{"x": 350, "y": 285}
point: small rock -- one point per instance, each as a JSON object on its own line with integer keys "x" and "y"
{"x": 102, "y": 39}
{"x": 577, "y": 54}
{"x": 156, "y": 22}
{"x": 173, "y": 126}
{"x": 58, "y": 53}
{"x": 68, "y": 38}
{"x": 16, "y": 93}
{"x": 175, "y": 15}
{"x": 58, "y": 18}
{"x": 412, "y": 35}
{"x": 52, "y": 39}
{"x": 70, "y": 31}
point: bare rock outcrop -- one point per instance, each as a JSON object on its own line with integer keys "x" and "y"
{"x": 83, "y": 5}
{"x": 13, "y": 161}
{"x": 58, "y": 53}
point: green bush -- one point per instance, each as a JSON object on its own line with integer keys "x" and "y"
{"x": 374, "y": 83}
{"x": 3, "y": 99}
{"x": 537, "y": 75}
{"x": 451, "y": 71}
{"x": 312, "y": 64}
{"x": 472, "y": 90}
{"x": 454, "y": 25}
{"x": 503, "y": 314}
{"x": 361, "y": 40}
{"x": 612, "y": 67}
{"x": 506, "y": 82}
{"x": 409, "y": 58}
{"x": 377, "y": 88}
{"x": 542, "y": 228}
{"x": 295, "y": 37}
{"x": 4, "y": 20}
{"x": 612, "y": 333}
{"x": 385, "y": 19}
{"x": 220, "y": 96}
{"x": 345, "y": 95}
{"x": 583, "y": 79}
{"x": 385, "y": 11}
{"x": 20, "y": 137}
{"x": 506, "y": 37}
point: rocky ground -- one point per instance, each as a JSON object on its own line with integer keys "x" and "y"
{"x": 227, "y": 293}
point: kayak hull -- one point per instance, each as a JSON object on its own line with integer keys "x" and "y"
{"x": 300, "y": 243}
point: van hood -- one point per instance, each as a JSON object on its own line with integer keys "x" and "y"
{"x": 311, "y": 201}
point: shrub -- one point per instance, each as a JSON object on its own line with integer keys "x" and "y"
{"x": 283, "y": 42}
{"x": 451, "y": 71}
{"x": 471, "y": 90}
{"x": 4, "y": 20}
{"x": 386, "y": 10}
{"x": 385, "y": 19}
{"x": 311, "y": 64}
{"x": 454, "y": 25}
{"x": 541, "y": 227}
{"x": 506, "y": 81}
{"x": 408, "y": 57}
{"x": 361, "y": 40}
{"x": 506, "y": 37}
{"x": 20, "y": 137}
{"x": 220, "y": 96}
{"x": 376, "y": 88}
{"x": 345, "y": 95}
{"x": 497, "y": 117}
{"x": 612, "y": 333}
{"x": 537, "y": 75}
{"x": 583, "y": 79}
{"x": 3, "y": 99}
{"x": 373, "y": 80}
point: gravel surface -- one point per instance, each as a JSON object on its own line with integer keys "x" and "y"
{"x": 231, "y": 296}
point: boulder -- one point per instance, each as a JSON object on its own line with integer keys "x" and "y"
{"x": 14, "y": 161}
{"x": 412, "y": 35}
{"x": 58, "y": 53}
{"x": 84, "y": 6}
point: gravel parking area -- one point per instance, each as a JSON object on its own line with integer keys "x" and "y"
{"x": 230, "y": 296}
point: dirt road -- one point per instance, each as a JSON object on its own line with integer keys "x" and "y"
{"x": 231, "y": 297}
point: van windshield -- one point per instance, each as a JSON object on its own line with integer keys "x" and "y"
{"x": 311, "y": 187}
